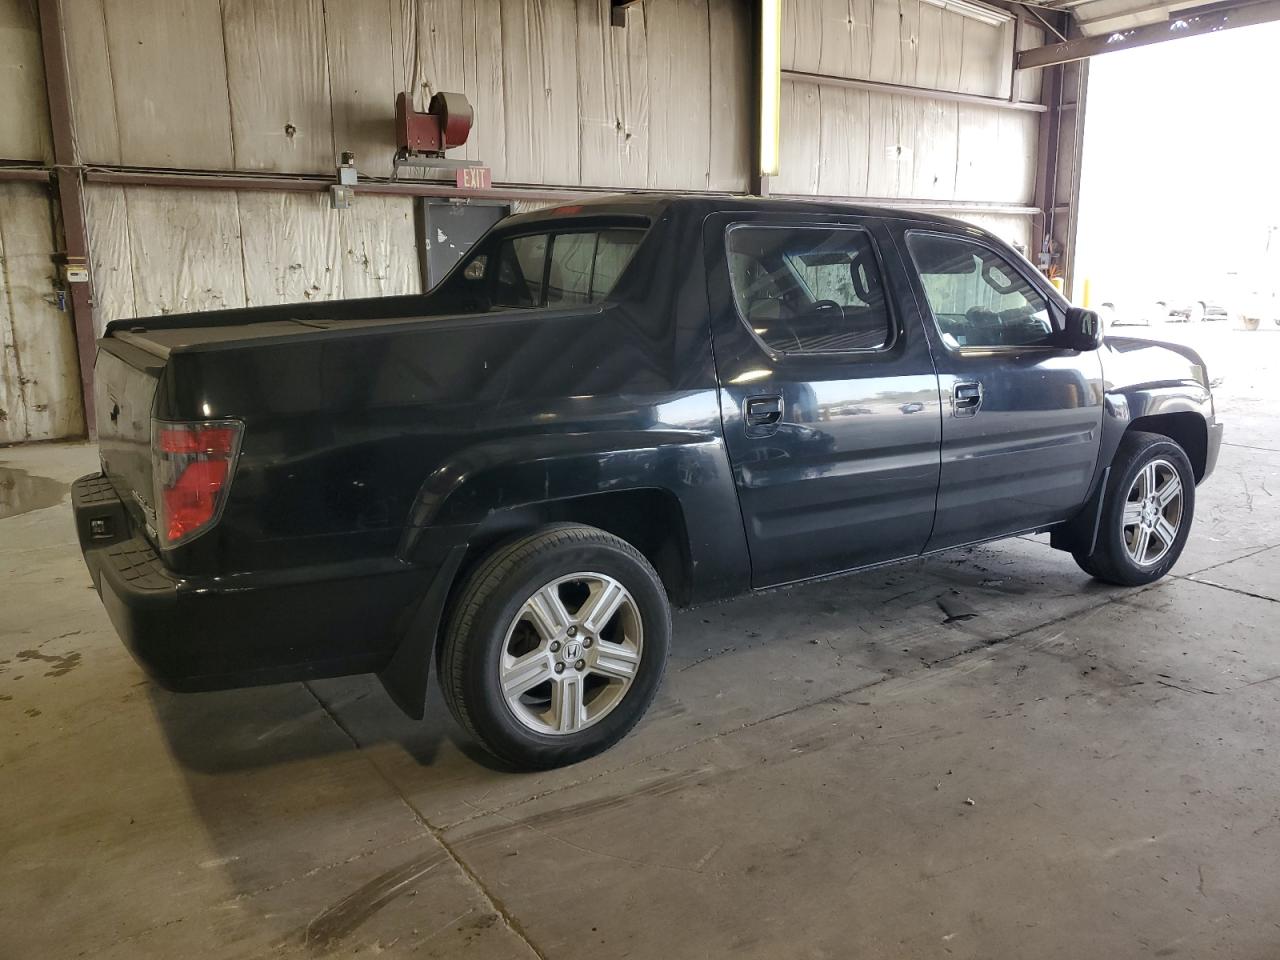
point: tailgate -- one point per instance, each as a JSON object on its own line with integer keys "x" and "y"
{"x": 124, "y": 385}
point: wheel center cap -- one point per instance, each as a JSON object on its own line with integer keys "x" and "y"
{"x": 1150, "y": 513}
{"x": 572, "y": 651}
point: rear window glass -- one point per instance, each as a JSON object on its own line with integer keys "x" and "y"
{"x": 561, "y": 269}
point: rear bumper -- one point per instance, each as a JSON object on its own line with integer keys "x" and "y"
{"x": 212, "y": 633}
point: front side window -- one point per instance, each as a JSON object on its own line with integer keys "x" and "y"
{"x": 563, "y": 269}
{"x": 977, "y": 298}
{"x": 809, "y": 290}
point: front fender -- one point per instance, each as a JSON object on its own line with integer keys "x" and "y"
{"x": 1123, "y": 406}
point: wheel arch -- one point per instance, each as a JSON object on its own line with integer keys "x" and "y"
{"x": 1187, "y": 429}
{"x": 1169, "y": 412}
{"x": 671, "y": 496}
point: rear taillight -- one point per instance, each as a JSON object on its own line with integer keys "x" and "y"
{"x": 192, "y": 464}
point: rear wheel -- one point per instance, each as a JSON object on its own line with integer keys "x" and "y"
{"x": 1147, "y": 512}
{"x": 556, "y": 646}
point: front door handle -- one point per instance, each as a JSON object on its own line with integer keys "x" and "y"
{"x": 966, "y": 398}
{"x": 762, "y": 415}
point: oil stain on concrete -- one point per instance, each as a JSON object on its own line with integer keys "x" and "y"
{"x": 20, "y": 492}
{"x": 58, "y": 665}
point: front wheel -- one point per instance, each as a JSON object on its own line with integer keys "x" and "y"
{"x": 1147, "y": 512}
{"x": 556, "y": 646}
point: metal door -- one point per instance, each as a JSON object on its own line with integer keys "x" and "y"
{"x": 1021, "y": 414}
{"x": 828, "y": 396}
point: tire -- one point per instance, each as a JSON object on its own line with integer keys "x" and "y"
{"x": 517, "y": 621}
{"x": 1115, "y": 557}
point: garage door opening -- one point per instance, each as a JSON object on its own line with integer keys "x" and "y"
{"x": 1180, "y": 203}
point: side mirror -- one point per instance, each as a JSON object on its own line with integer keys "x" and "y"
{"x": 1084, "y": 329}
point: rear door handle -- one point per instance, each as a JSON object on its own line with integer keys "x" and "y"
{"x": 762, "y": 415}
{"x": 966, "y": 398}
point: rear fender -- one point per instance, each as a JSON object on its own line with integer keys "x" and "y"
{"x": 481, "y": 485}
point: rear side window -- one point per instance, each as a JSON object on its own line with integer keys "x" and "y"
{"x": 977, "y": 297}
{"x": 809, "y": 290}
{"x": 562, "y": 269}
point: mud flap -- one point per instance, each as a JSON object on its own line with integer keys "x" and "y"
{"x": 1080, "y": 533}
{"x": 406, "y": 674}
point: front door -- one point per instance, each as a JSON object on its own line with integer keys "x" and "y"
{"x": 828, "y": 395}
{"x": 1021, "y": 414}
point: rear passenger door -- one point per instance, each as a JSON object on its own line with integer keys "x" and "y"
{"x": 828, "y": 396}
{"x": 1022, "y": 413}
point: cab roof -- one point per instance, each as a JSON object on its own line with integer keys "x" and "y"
{"x": 654, "y": 205}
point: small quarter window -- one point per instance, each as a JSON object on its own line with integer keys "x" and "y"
{"x": 579, "y": 267}
{"x": 977, "y": 298}
{"x": 809, "y": 290}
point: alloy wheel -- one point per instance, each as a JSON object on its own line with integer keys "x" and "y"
{"x": 571, "y": 653}
{"x": 1152, "y": 512}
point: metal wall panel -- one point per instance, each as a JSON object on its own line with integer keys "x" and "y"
{"x": 363, "y": 74}
{"x": 679, "y": 56}
{"x": 278, "y": 83}
{"x": 861, "y": 143}
{"x": 93, "y": 100}
{"x": 39, "y": 377}
{"x": 161, "y": 250}
{"x": 911, "y": 42}
{"x": 732, "y": 85}
{"x": 613, "y": 101}
{"x": 561, "y": 97}
{"x": 24, "y": 118}
{"x": 168, "y": 75}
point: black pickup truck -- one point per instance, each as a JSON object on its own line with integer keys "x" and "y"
{"x": 606, "y": 409}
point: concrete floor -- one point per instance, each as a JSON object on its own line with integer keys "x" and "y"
{"x": 829, "y": 771}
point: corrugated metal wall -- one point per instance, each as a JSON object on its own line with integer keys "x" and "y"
{"x": 561, "y": 99}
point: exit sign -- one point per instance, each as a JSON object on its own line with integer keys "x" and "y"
{"x": 475, "y": 178}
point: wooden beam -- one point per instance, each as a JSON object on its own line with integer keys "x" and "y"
{"x": 1185, "y": 23}
{"x": 902, "y": 90}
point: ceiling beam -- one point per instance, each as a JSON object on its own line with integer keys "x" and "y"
{"x": 1185, "y": 23}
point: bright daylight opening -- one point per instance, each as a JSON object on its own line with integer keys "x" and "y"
{"x": 1179, "y": 235}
